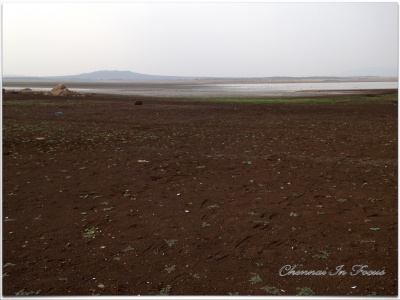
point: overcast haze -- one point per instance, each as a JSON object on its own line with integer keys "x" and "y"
{"x": 200, "y": 39}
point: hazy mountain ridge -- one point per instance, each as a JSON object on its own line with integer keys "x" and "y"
{"x": 115, "y": 75}
{"x": 119, "y": 75}
{"x": 105, "y": 75}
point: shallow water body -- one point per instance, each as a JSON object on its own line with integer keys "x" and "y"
{"x": 207, "y": 90}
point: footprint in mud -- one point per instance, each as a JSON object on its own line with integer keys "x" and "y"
{"x": 241, "y": 241}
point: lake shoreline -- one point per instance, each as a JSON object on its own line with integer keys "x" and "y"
{"x": 214, "y": 88}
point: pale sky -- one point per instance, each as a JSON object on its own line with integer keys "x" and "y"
{"x": 201, "y": 39}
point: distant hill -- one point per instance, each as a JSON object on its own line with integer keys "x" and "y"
{"x": 107, "y": 75}
{"x": 119, "y": 75}
{"x": 100, "y": 76}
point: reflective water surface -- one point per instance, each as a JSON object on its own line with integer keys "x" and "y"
{"x": 193, "y": 89}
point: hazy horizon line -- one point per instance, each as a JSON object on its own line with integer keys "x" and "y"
{"x": 202, "y": 76}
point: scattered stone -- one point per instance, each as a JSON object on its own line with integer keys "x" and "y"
{"x": 60, "y": 90}
{"x": 129, "y": 248}
{"x": 138, "y": 102}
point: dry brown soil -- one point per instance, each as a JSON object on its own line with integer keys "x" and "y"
{"x": 198, "y": 198}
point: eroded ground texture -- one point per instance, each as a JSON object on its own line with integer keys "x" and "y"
{"x": 101, "y": 196}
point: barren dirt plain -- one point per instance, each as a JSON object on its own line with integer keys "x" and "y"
{"x": 186, "y": 197}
